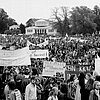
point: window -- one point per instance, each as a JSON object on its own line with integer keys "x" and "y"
{"x": 29, "y": 30}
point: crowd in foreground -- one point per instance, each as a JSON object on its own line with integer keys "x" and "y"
{"x": 31, "y": 86}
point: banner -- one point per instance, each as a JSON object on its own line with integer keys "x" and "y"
{"x": 15, "y": 57}
{"x": 40, "y": 44}
{"x": 97, "y": 66}
{"x": 51, "y": 68}
{"x": 39, "y": 53}
{"x": 43, "y": 44}
{"x": 76, "y": 69}
{"x": 29, "y": 43}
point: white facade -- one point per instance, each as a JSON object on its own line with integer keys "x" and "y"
{"x": 14, "y": 27}
{"x": 41, "y": 27}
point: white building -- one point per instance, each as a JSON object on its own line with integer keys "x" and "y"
{"x": 14, "y": 27}
{"x": 41, "y": 27}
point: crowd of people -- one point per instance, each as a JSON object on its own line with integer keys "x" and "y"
{"x": 26, "y": 81}
{"x": 30, "y": 86}
{"x": 71, "y": 51}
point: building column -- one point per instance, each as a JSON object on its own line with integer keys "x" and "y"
{"x": 35, "y": 30}
{"x": 45, "y": 31}
{"x": 40, "y": 31}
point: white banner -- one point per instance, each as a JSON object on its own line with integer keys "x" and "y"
{"x": 40, "y": 44}
{"x": 97, "y": 66}
{"x": 43, "y": 44}
{"x": 51, "y": 68}
{"x": 15, "y": 57}
{"x": 39, "y": 53}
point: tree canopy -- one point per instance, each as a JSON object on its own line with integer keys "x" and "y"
{"x": 61, "y": 20}
{"x": 5, "y": 21}
{"x": 80, "y": 20}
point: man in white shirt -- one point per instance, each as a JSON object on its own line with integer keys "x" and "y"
{"x": 31, "y": 90}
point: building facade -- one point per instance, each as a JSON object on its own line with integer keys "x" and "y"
{"x": 41, "y": 27}
{"x": 14, "y": 27}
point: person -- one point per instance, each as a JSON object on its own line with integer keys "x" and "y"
{"x": 95, "y": 92}
{"x": 53, "y": 94}
{"x": 24, "y": 83}
{"x": 31, "y": 90}
{"x": 71, "y": 88}
{"x": 81, "y": 79}
{"x": 62, "y": 94}
{"x": 18, "y": 81}
{"x": 39, "y": 89}
{"x": 88, "y": 85}
{"x": 6, "y": 91}
{"x": 77, "y": 94}
{"x": 15, "y": 94}
{"x": 47, "y": 88}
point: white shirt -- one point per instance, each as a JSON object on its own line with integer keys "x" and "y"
{"x": 30, "y": 92}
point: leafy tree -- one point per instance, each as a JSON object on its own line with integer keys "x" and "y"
{"x": 22, "y": 28}
{"x": 97, "y": 18}
{"x": 60, "y": 16}
{"x": 11, "y": 22}
{"x": 82, "y": 20}
{"x": 3, "y": 26}
{"x": 5, "y": 21}
{"x": 31, "y": 22}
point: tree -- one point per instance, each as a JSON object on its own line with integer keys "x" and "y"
{"x": 31, "y": 22}
{"x": 97, "y": 18}
{"x": 5, "y": 21}
{"x": 61, "y": 20}
{"x": 82, "y": 20}
{"x": 11, "y": 22}
{"x": 22, "y": 28}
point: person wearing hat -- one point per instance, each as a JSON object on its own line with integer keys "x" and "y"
{"x": 31, "y": 90}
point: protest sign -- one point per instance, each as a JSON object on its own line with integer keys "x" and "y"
{"x": 15, "y": 57}
{"x": 39, "y": 53}
{"x": 51, "y": 68}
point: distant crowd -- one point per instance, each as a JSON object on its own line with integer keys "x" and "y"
{"x": 69, "y": 50}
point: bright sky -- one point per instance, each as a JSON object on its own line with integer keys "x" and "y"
{"x": 22, "y": 10}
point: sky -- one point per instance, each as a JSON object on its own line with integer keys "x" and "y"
{"x": 23, "y": 10}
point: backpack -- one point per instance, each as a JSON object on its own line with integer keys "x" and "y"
{"x": 17, "y": 94}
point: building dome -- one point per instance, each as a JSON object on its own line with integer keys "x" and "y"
{"x": 41, "y": 22}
